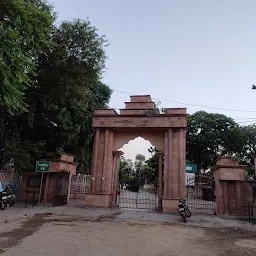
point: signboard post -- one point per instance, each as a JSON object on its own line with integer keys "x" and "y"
{"x": 43, "y": 167}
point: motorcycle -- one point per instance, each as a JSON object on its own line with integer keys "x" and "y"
{"x": 183, "y": 209}
{"x": 10, "y": 197}
{"x": 3, "y": 201}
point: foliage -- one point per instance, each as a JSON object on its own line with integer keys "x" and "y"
{"x": 140, "y": 158}
{"x": 210, "y": 136}
{"x": 25, "y": 29}
{"x": 140, "y": 173}
{"x": 151, "y": 170}
{"x": 62, "y": 98}
{"x": 248, "y": 152}
{"x": 125, "y": 171}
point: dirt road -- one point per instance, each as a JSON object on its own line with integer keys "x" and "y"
{"x": 49, "y": 234}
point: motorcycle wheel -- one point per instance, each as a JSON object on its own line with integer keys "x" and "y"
{"x": 10, "y": 203}
{"x": 188, "y": 213}
{"x": 2, "y": 206}
{"x": 184, "y": 217}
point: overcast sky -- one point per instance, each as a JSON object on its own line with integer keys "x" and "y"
{"x": 197, "y": 52}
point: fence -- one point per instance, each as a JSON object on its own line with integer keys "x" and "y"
{"x": 201, "y": 194}
{"x": 80, "y": 186}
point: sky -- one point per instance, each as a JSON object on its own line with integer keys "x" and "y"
{"x": 196, "y": 54}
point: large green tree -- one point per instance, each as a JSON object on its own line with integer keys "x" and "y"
{"x": 64, "y": 96}
{"x": 210, "y": 136}
{"x": 248, "y": 152}
{"x": 25, "y": 30}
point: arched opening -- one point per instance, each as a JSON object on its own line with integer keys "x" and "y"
{"x": 136, "y": 146}
{"x": 138, "y": 175}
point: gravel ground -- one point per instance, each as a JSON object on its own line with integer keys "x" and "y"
{"x": 78, "y": 231}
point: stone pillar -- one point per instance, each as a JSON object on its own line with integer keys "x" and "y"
{"x": 166, "y": 164}
{"x": 109, "y": 164}
{"x": 95, "y": 159}
{"x": 174, "y": 168}
{"x": 182, "y": 163}
{"x": 229, "y": 186}
{"x": 160, "y": 181}
{"x": 115, "y": 179}
{"x": 104, "y": 168}
{"x": 170, "y": 188}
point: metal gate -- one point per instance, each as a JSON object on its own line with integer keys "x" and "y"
{"x": 201, "y": 194}
{"x": 61, "y": 188}
{"x": 137, "y": 195}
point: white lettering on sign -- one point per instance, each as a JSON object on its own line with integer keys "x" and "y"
{"x": 190, "y": 179}
{"x": 43, "y": 166}
{"x": 188, "y": 168}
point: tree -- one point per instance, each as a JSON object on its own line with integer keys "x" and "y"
{"x": 65, "y": 94}
{"x": 151, "y": 167}
{"x": 210, "y": 136}
{"x": 140, "y": 158}
{"x": 248, "y": 152}
{"x": 25, "y": 29}
{"x": 125, "y": 171}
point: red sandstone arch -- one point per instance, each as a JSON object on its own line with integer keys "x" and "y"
{"x": 139, "y": 118}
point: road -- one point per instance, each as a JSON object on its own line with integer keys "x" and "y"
{"x": 95, "y": 232}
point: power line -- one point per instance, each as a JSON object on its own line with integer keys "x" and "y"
{"x": 176, "y": 102}
{"x": 245, "y": 118}
{"x": 193, "y": 105}
{"x": 251, "y": 121}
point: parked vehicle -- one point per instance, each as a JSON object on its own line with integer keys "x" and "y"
{"x": 10, "y": 197}
{"x": 3, "y": 201}
{"x": 183, "y": 209}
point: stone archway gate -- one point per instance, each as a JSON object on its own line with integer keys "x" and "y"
{"x": 139, "y": 118}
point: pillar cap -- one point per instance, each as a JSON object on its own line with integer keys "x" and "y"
{"x": 118, "y": 153}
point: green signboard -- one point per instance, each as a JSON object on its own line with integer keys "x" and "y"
{"x": 191, "y": 168}
{"x": 42, "y": 166}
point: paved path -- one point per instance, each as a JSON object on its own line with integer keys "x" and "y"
{"x": 101, "y": 232}
{"x": 20, "y": 213}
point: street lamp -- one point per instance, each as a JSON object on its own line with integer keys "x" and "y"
{"x": 254, "y": 87}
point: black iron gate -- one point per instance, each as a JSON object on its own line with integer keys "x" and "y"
{"x": 201, "y": 193}
{"x": 137, "y": 194}
{"x": 61, "y": 188}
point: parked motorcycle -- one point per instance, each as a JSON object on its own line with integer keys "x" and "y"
{"x": 10, "y": 197}
{"x": 183, "y": 209}
{"x": 3, "y": 201}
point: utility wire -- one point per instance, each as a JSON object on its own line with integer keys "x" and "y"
{"x": 252, "y": 121}
{"x": 176, "y": 102}
{"x": 189, "y": 104}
